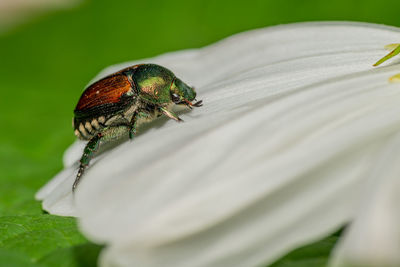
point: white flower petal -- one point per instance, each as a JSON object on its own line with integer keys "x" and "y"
{"x": 373, "y": 239}
{"x": 293, "y": 118}
{"x": 56, "y": 195}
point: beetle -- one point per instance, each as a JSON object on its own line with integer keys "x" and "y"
{"x": 114, "y": 106}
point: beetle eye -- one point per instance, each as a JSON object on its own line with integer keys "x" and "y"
{"x": 175, "y": 98}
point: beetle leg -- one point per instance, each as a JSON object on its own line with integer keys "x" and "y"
{"x": 134, "y": 122}
{"x": 132, "y": 132}
{"x": 107, "y": 135}
{"x": 170, "y": 114}
{"x": 90, "y": 148}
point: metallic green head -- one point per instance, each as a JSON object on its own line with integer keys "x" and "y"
{"x": 181, "y": 92}
{"x": 159, "y": 85}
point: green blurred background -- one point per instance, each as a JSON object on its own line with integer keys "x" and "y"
{"x": 46, "y": 61}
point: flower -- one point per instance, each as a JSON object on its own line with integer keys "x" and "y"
{"x": 282, "y": 153}
{"x": 374, "y": 235}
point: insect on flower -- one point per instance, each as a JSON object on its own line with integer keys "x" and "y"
{"x": 114, "y": 106}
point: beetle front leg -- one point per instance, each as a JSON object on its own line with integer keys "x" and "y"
{"x": 107, "y": 135}
{"x": 170, "y": 114}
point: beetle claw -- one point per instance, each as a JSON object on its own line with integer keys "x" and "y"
{"x": 190, "y": 104}
{"x": 198, "y": 103}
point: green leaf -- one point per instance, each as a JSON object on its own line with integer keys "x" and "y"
{"x": 75, "y": 256}
{"x": 15, "y": 259}
{"x": 44, "y": 240}
{"x": 312, "y": 255}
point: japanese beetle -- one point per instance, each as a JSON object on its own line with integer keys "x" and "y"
{"x": 114, "y": 106}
